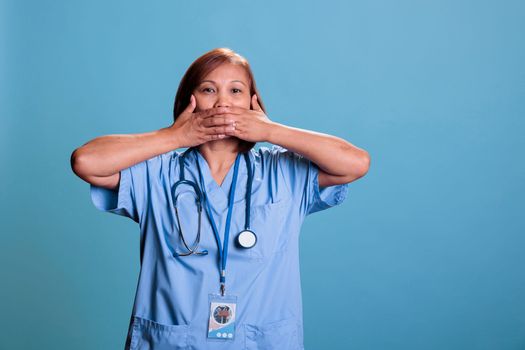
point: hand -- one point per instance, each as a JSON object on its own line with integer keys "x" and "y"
{"x": 193, "y": 129}
{"x": 248, "y": 124}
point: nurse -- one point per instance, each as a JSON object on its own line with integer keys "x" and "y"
{"x": 202, "y": 284}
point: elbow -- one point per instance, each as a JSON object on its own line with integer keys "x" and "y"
{"x": 358, "y": 169}
{"x": 73, "y": 160}
{"x": 361, "y": 167}
{"x": 76, "y": 162}
{"x": 365, "y": 164}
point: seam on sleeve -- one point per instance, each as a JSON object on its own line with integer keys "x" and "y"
{"x": 125, "y": 187}
{"x": 278, "y": 152}
{"x": 315, "y": 183}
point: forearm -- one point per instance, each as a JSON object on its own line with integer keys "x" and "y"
{"x": 107, "y": 155}
{"x": 332, "y": 154}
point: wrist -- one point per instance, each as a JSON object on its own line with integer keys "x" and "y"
{"x": 273, "y": 130}
{"x": 172, "y": 136}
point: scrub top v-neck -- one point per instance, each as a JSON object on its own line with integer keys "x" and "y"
{"x": 170, "y": 310}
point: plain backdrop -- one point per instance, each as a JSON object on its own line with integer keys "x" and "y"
{"x": 426, "y": 252}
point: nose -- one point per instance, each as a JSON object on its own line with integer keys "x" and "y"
{"x": 222, "y": 104}
{"x": 222, "y": 100}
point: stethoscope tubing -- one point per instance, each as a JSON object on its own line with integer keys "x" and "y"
{"x": 201, "y": 197}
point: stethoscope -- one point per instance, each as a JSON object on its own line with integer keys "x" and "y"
{"x": 245, "y": 239}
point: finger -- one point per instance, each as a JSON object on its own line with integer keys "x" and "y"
{"x": 233, "y": 129}
{"x": 218, "y": 120}
{"x": 255, "y": 103}
{"x": 231, "y": 110}
{"x": 234, "y": 132}
{"x": 211, "y": 112}
{"x": 216, "y": 137}
{"x": 219, "y": 130}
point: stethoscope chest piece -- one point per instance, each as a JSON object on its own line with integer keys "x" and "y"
{"x": 246, "y": 239}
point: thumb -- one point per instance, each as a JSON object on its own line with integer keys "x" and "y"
{"x": 191, "y": 106}
{"x": 255, "y": 103}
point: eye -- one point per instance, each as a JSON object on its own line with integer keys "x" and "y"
{"x": 208, "y": 88}
{"x": 237, "y": 89}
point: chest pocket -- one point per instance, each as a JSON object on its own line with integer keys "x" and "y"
{"x": 268, "y": 222}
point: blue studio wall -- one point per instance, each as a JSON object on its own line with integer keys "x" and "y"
{"x": 425, "y": 253}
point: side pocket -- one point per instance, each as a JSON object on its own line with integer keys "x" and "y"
{"x": 150, "y": 335}
{"x": 279, "y": 335}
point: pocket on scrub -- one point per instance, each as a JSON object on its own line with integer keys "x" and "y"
{"x": 267, "y": 221}
{"x": 150, "y": 335}
{"x": 282, "y": 335}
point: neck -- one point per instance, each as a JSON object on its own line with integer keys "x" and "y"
{"x": 220, "y": 154}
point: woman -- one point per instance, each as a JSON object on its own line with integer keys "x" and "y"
{"x": 236, "y": 284}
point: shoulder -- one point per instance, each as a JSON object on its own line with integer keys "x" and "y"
{"x": 280, "y": 160}
{"x": 274, "y": 152}
{"x": 155, "y": 165}
{"x": 163, "y": 157}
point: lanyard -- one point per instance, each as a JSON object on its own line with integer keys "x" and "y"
{"x": 223, "y": 253}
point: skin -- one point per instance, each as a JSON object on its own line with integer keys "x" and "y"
{"x": 240, "y": 117}
{"x": 227, "y": 86}
{"x": 219, "y": 114}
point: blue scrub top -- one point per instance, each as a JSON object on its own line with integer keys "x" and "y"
{"x": 171, "y": 307}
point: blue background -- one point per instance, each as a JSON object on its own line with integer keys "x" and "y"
{"x": 427, "y": 251}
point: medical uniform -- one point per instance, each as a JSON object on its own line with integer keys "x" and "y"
{"x": 171, "y": 308}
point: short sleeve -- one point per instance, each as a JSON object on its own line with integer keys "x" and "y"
{"x": 301, "y": 177}
{"x": 128, "y": 200}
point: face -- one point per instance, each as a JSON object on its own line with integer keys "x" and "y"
{"x": 227, "y": 85}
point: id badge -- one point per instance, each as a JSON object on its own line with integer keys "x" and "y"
{"x": 221, "y": 324}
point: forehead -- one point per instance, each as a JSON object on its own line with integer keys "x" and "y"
{"x": 227, "y": 72}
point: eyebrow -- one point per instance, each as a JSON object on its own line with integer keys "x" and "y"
{"x": 211, "y": 81}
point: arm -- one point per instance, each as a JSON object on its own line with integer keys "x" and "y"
{"x": 339, "y": 161}
{"x": 100, "y": 161}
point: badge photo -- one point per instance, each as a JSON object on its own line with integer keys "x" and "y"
{"x": 221, "y": 325}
